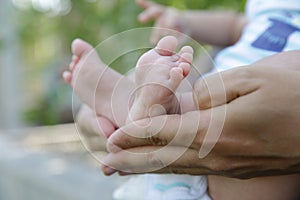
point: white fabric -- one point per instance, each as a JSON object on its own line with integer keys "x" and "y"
{"x": 163, "y": 187}
{"x": 133, "y": 189}
{"x": 257, "y": 7}
{"x": 177, "y": 187}
{"x": 270, "y": 30}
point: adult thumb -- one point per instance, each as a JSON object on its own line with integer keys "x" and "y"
{"x": 223, "y": 87}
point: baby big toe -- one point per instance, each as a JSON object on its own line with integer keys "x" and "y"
{"x": 80, "y": 47}
{"x": 166, "y": 46}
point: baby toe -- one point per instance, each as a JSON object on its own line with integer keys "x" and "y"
{"x": 186, "y": 57}
{"x": 75, "y": 60}
{"x": 80, "y": 47}
{"x": 186, "y": 67}
{"x": 186, "y": 54}
{"x": 176, "y": 76}
{"x": 187, "y": 49}
{"x": 67, "y": 76}
{"x": 166, "y": 46}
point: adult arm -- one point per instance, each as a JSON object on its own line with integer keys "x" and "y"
{"x": 253, "y": 130}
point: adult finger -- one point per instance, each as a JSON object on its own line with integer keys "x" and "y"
{"x": 223, "y": 87}
{"x": 146, "y": 159}
{"x": 170, "y": 159}
{"x": 91, "y": 124}
{"x": 95, "y": 143}
{"x": 228, "y": 157}
{"x": 199, "y": 130}
{"x": 163, "y": 130}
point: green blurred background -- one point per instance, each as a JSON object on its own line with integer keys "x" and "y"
{"x": 35, "y": 43}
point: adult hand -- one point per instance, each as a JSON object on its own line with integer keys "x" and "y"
{"x": 164, "y": 17}
{"x": 94, "y": 129}
{"x": 258, "y": 136}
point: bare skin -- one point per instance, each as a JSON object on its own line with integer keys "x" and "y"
{"x": 233, "y": 182}
{"x": 165, "y": 18}
{"x": 226, "y": 30}
{"x": 93, "y": 128}
{"x": 95, "y": 83}
{"x": 157, "y": 76}
{"x": 257, "y": 86}
{"x": 272, "y": 188}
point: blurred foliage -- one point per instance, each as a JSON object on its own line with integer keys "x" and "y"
{"x": 46, "y": 40}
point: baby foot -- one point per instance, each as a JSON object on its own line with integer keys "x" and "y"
{"x": 158, "y": 74}
{"x": 86, "y": 71}
{"x": 85, "y": 62}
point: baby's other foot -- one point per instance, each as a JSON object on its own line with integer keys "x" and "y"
{"x": 85, "y": 72}
{"x": 158, "y": 74}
